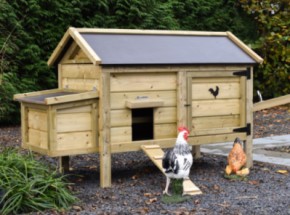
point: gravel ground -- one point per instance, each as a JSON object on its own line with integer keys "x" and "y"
{"x": 137, "y": 184}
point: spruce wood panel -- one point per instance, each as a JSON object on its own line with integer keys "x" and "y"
{"x": 37, "y": 119}
{"x": 74, "y": 54}
{"x": 121, "y": 134}
{"x": 226, "y": 90}
{"x": 165, "y": 115}
{"x": 118, "y": 100}
{"x": 215, "y": 107}
{"x": 80, "y": 71}
{"x": 81, "y": 109}
{"x": 227, "y": 80}
{"x": 74, "y": 140}
{"x": 214, "y": 122}
{"x": 82, "y": 77}
{"x": 181, "y": 112}
{"x": 74, "y": 122}
{"x": 121, "y": 118}
{"x": 164, "y": 131}
{"x": 70, "y": 152}
{"x": 37, "y": 138}
{"x": 203, "y": 132}
{"x": 80, "y": 84}
{"x": 143, "y": 82}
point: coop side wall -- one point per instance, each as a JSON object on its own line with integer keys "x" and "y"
{"x": 60, "y": 130}
{"x": 77, "y": 72}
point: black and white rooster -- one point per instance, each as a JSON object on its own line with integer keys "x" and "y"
{"x": 177, "y": 161}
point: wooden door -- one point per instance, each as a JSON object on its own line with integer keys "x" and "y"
{"x": 216, "y": 102}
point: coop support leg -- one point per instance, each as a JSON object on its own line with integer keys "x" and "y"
{"x": 105, "y": 170}
{"x": 63, "y": 164}
{"x": 196, "y": 152}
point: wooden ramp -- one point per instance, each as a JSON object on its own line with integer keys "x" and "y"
{"x": 155, "y": 153}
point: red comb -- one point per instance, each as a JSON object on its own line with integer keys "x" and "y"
{"x": 183, "y": 128}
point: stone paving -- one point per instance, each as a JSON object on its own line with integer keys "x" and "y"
{"x": 259, "y": 152}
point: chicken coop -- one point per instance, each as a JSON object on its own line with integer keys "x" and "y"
{"x": 119, "y": 90}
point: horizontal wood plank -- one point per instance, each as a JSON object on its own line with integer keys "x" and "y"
{"x": 163, "y": 131}
{"x": 80, "y": 71}
{"x": 118, "y": 100}
{"x": 214, "y": 122}
{"x": 143, "y": 82}
{"x": 74, "y": 140}
{"x": 74, "y": 122}
{"x": 215, "y": 107}
{"x": 80, "y": 84}
{"x": 165, "y": 115}
{"x": 121, "y": 134}
{"x": 121, "y": 118}
{"x": 81, "y": 109}
{"x": 226, "y": 90}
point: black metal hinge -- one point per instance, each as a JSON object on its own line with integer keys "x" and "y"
{"x": 246, "y": 73}
{"x": 246, "y": 129}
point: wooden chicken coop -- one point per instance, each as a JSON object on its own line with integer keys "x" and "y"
{"x": 119, "y": 90}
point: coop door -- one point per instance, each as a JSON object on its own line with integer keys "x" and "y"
{"x": 216, "y": 104}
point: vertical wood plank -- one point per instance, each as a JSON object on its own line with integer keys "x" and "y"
{"x": 196, "y": 148}
{"x": 60, "y": 85}
{"x": 181, "y": 98}
{"x": 24, "y": 124}
{"x": 249, "y": 119}
{"x": 104, "y": 127}
{"x": 94, "y": 115}
{"x": 51, "y": 127}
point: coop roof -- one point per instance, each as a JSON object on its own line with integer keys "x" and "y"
{"x": 155, "y": 47}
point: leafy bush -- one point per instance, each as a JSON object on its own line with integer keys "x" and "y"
{"x": 273, "y": 19}
{"x": 30, "y": 185}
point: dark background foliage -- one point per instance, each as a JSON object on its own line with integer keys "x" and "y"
{"x": 31, "y": 29}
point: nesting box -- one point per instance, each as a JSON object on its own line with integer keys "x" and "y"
{"x": 121, "y": 89}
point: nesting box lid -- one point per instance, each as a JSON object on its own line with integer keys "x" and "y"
{"x": 156, "y": 47}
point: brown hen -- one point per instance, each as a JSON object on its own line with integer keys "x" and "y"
{"x": 236, "y": 158}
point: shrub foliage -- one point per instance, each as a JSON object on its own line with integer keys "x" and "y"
{"x": 28, "y": 185}
{"x": 273, "y": 20}
{"x": 31, "y": 29}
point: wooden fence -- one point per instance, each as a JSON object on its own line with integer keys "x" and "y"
{"x": 282, "y": 100}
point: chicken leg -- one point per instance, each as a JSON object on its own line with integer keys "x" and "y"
{"x": 166, "y": 187}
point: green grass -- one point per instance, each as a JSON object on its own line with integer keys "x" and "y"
{"x": 30, "y": 185}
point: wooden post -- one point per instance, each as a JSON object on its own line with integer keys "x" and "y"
{"x": 249, "y": 119}
{"x": 63, "y": 164}
{"x": 104, "y": 125}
